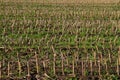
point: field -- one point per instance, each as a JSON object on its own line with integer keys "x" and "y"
{"x": 59, "y": 41}
{"x": 64, "y": 1}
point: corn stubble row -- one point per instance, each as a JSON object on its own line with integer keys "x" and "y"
{"x": 63, "y": 1}
{"x": 59, "y": 41}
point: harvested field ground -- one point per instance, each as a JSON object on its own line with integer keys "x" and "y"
{"x": 64, "y": 1}
{"x": 59, "y": 41}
